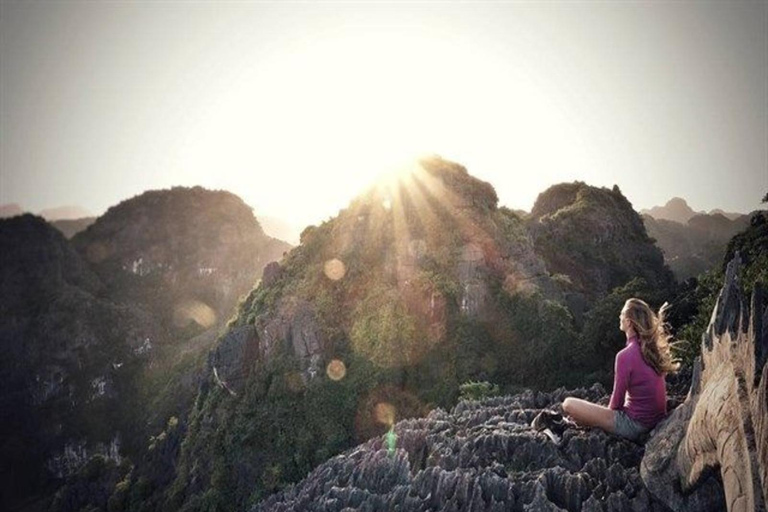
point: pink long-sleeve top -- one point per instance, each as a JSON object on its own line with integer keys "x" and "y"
{"x": 637, "y": 389}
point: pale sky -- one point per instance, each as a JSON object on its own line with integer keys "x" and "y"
{"x": 297, "y": 106}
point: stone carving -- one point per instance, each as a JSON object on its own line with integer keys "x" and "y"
{"x": 723, "y": 423}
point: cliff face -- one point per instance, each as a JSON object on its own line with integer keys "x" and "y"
{"x": 723, "y": 425}
{"x": 68, "y": 359}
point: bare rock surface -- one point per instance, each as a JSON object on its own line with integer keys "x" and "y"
{"x": 480, "y": 456}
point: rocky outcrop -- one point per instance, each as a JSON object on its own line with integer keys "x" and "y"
{"x": 723, "y": 424}
{"x": 481, "y": 456}
{"x": 593, "y": 237}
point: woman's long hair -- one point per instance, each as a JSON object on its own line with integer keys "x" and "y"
{"x": 653, "y": 334}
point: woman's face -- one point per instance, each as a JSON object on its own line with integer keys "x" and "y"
{"x": 623, "y": 320}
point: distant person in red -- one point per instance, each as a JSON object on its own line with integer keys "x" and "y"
{"x": 639, "y": 399}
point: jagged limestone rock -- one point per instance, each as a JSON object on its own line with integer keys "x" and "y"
{"x": 481, "y": 456}
{"x": 723, "y": 424}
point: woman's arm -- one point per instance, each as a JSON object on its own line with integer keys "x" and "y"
{"x": 620, "y": 382}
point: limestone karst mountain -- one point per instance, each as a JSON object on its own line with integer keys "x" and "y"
{"x": 676, "y": 210}
{"x": 727, "y": 215}
{"x": 187, "y": 254}
{"x": 68, "y": 362}
{"x": 101, "y": 346}
{"x": 594, "y": 238}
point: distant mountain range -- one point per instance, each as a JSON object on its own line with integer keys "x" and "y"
{"x": 70, "y": 220}
{"x": 692, "y": 242}
{"x": 49, "y": 214}
{"x": 677, "y": 210}
{"x": 10, "y": 210}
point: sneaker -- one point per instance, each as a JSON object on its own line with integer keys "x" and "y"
{"x": 553, "y": 421}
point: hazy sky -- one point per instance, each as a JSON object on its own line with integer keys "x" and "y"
{"x": 297, "y": 106}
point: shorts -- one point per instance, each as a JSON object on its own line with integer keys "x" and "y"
{"x": 626, "y": 427}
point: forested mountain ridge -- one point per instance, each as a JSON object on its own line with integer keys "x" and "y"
{"x": 102, "y": 345}
{"x": 595, "y": 239}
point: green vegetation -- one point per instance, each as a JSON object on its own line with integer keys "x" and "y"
{"x": 752, "y": 246}
{"x": 477, "y": 390}
{"x": 700, "y": 295}
{"x": 593, "y": 236}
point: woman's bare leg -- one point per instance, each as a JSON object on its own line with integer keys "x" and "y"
{"x": 589, "y": 414}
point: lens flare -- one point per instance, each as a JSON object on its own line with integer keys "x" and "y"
{"x": 334, "y": 269}
{"x": 384, "y": 413}
{"x": 391, "y": 439}
{"x": 193, "y": 311}
{"x": 336, "y": 370}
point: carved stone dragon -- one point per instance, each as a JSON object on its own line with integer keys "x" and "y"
{"x": 723, "y": 423}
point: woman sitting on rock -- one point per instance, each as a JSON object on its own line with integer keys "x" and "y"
{"x": 639, "y": 399}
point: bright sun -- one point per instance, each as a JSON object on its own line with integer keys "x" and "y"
{"x": 325, "y": 118}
